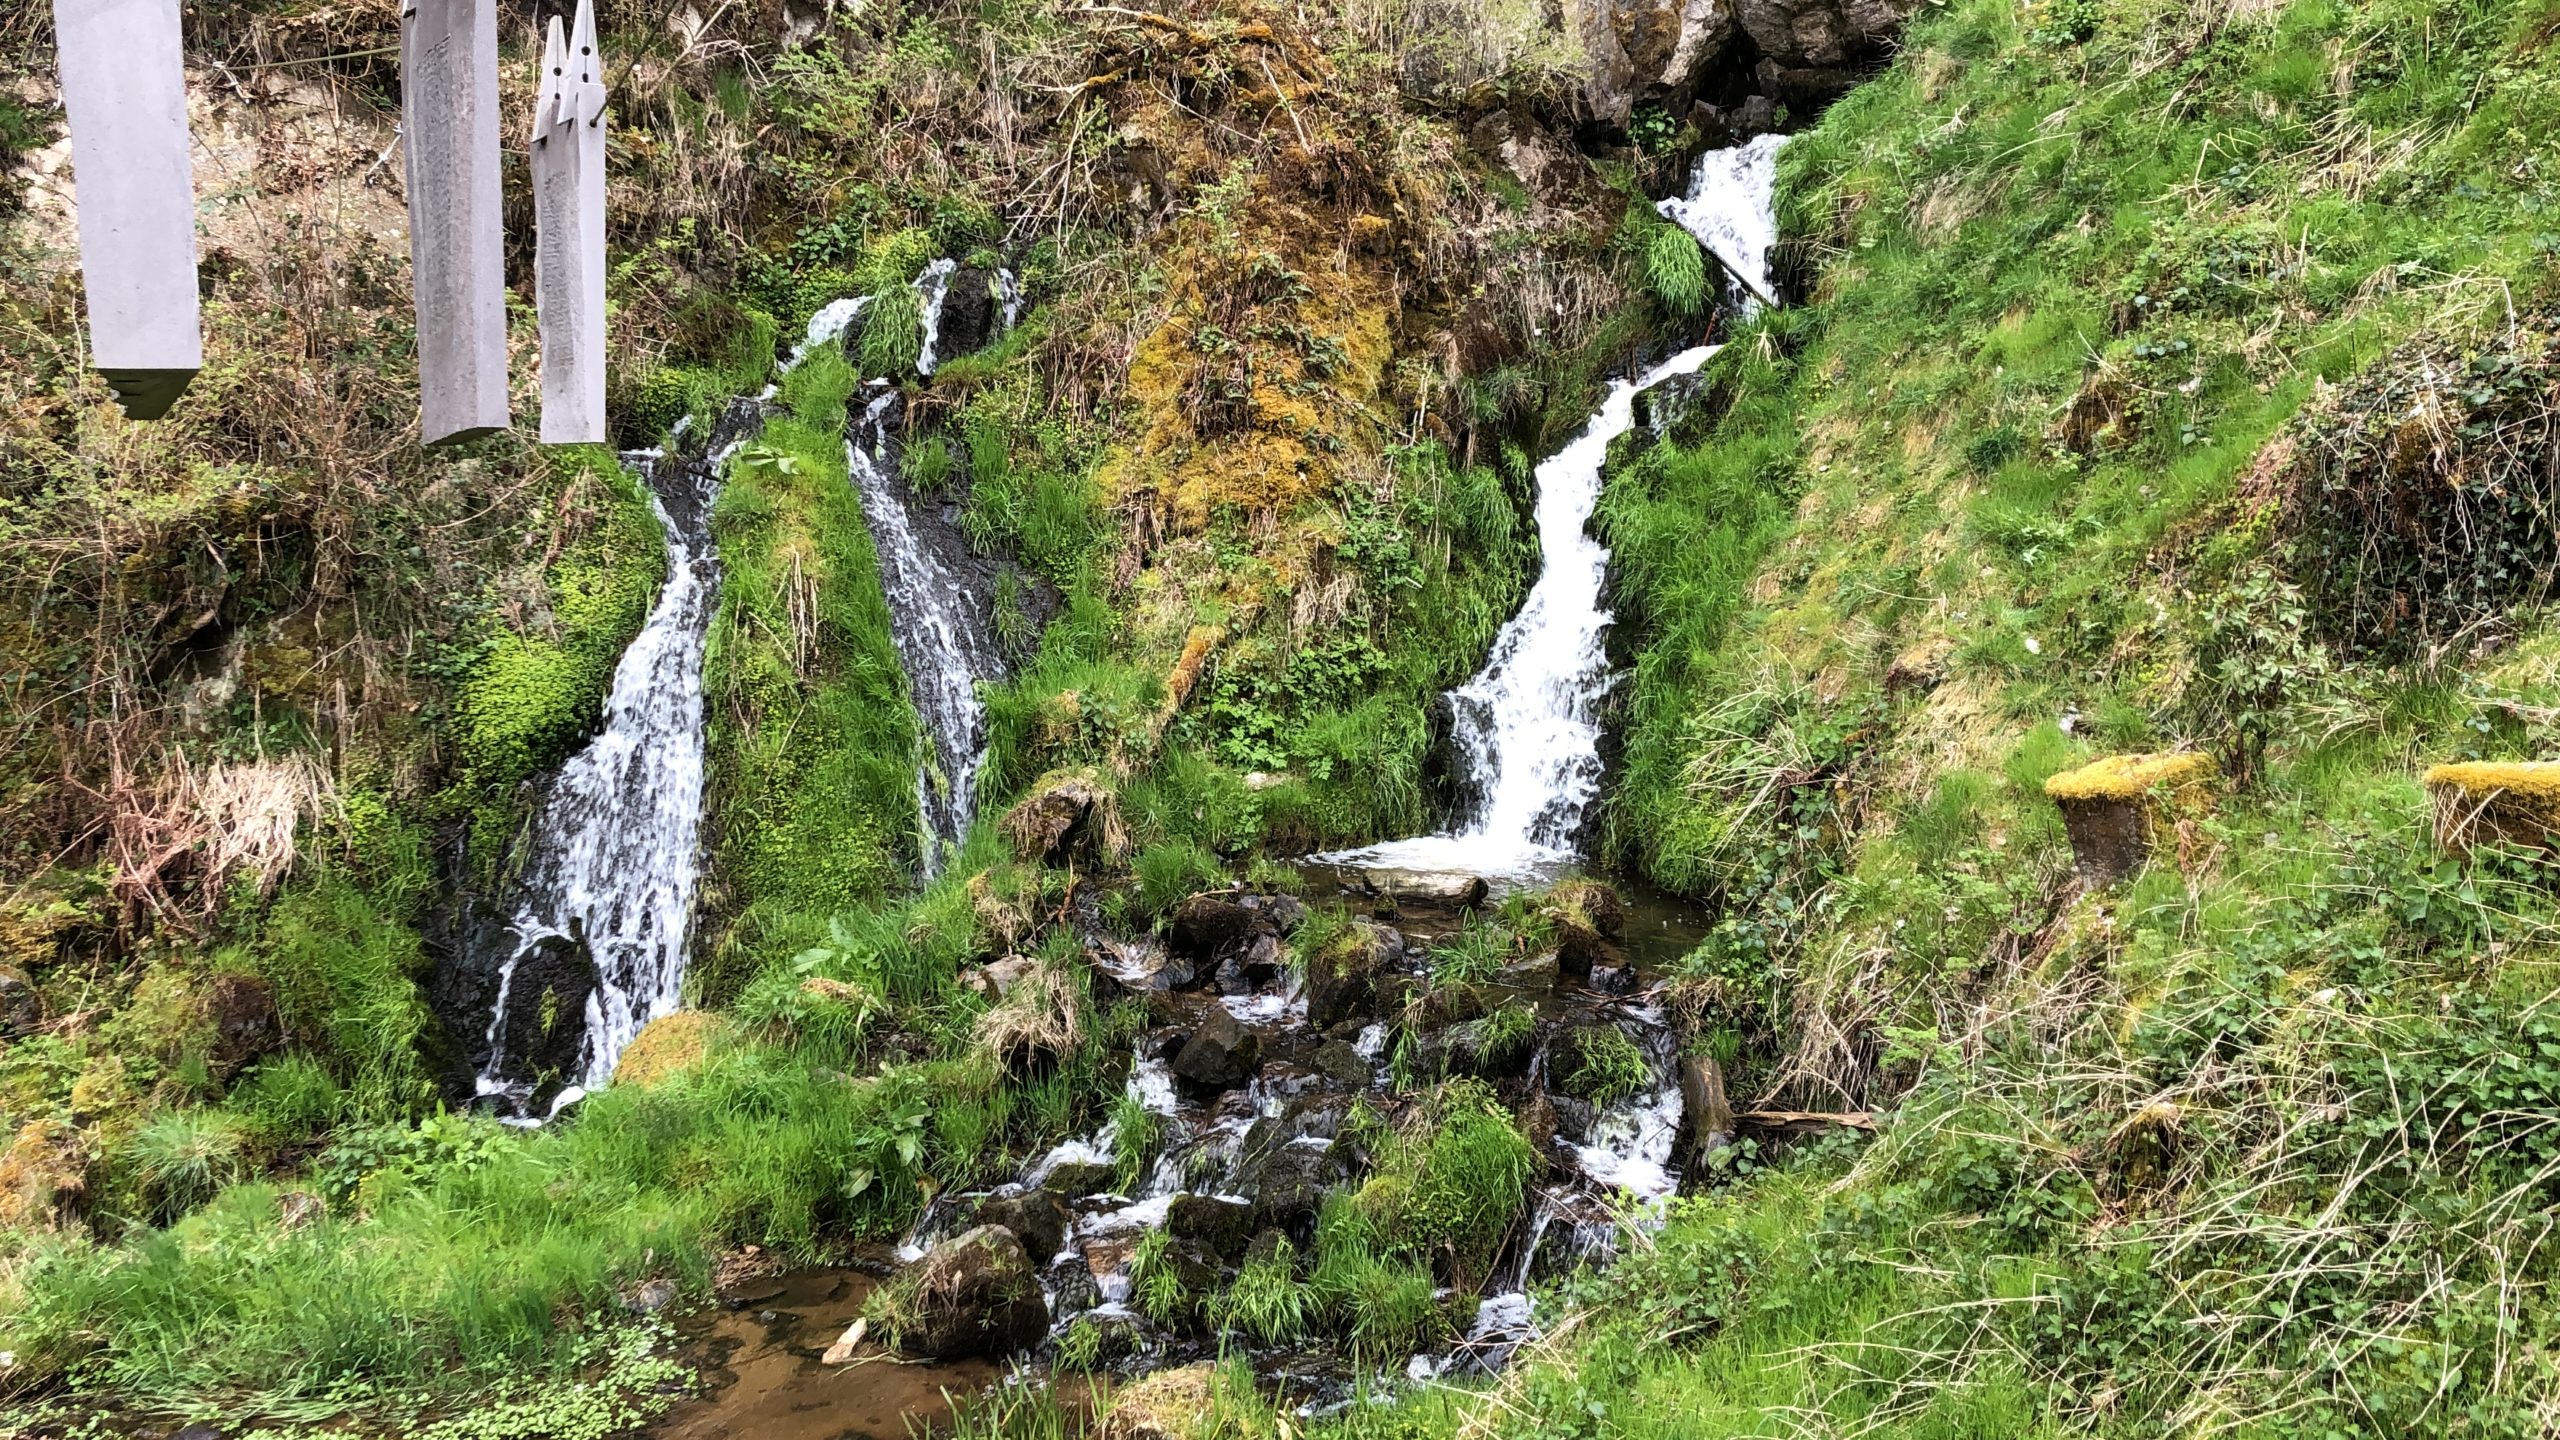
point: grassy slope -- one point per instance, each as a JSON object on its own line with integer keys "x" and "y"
{"x": 2262, "y": 1140}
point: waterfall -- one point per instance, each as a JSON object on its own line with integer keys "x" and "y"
{"x": 944, "y": 638}
{"x": 613, "y": 856}
{"x": 1527, "y": 727}
{"x": 1732, "y": 210}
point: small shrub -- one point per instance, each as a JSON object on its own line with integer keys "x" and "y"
{"x": 288, "y": 1098}
{"x": 1607, "y": 1067}
{"x": 181, "y": 1157}
{"x": 1266, "y": 1301}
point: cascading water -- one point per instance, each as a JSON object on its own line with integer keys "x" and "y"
{"x": 943, "y": 636}
{"x": 605, "y": 901}
{"x": 1732, "y": 210}
{"x": 1527, "y": 726}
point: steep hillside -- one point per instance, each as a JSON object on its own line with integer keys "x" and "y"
{"x": 2157, "y": 378}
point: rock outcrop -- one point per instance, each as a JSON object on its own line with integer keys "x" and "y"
{"x": 974, "y": 1294}
{"x": 1709, "y": 60}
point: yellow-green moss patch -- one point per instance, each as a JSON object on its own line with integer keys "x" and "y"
{"x": 668, "y": 1045}
{"x": 2127, "y": 777}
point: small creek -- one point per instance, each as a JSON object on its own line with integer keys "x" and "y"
{"x": 760, "y": 1354}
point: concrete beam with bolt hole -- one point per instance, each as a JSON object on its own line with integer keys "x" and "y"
{"x": 568, "y": 218}
{"x": 124, "y": 87}
{"x": 457, "y": 254}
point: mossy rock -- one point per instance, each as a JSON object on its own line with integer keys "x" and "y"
{"x": 44, "y": 1177}
{"x": 669, "y": 1045}
{"x": 2120, "y": 809}
{"x": 2482, "y": 802}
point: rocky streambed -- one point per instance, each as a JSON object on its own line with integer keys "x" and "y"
{"x": 1353, "y": 1134}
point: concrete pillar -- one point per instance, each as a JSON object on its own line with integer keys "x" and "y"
{"x": 457, "y": 257}
{"x": 568, "y": 217}
{"x": 124, "y": 85}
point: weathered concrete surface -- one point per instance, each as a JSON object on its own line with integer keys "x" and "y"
{"x": 124, "y": 87}
{"x": 568, "y": 211}
{"x": 457, "y": 258}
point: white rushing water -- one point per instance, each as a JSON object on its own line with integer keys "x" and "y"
{"x": 1527, "y": 726}
{"x": 1732, "y": 209}
{"x": 614, "y": 853}
{"x": 944, "y": 639}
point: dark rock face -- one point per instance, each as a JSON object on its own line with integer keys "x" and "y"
{"x": 1078, "y": 1178}
{"x": 242, "y": 1011}
{"x": 545, "y": 1030}
{"x": 1342, "y": 974}
{"x": 1206, "y": 926}
{"x": 1221, "y": 1055}
{"x": 970, "y": 313}
{"x": 975, "y": 1294}
{"x": 1052, "y": 823}
{"x": 1614, "y": 979}
{"x": 1219, "y": 1225}
{"x": 21, "y": 1005}
{"x": 1037, "y": 1218}
{"x": 1720, "y": 56}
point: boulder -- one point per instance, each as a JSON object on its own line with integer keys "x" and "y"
{"x": 21, "y": 1004}
{"x": 1640, "y": 51}
{"x": 1538, "y": 974}
{"x": 1167, "y": 1405}
{"x": 971, "y": 313}
{"x": 1342, "y": 973}
{"x": 1341, "y": 1063}
{"x": 1213, "y": 1222}
{"x": 1075, "y": 1179}
{"x": 1586, "y": 919}
{"x": 1289, "y": 1181}
{"x": 974, "y": 1294}
{"x": 1221, "y": 1055}
{"x": 1206, "y": 926}
{"x": 1037, "y": 1218}
{"x": 544, "y": 1032}
{"x": 1823, "y": 34}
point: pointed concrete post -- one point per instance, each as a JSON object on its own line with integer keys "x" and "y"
{"x": 568, "y": 218}
{"x": 124, "y": 85}
{"x": 457, "y": 256}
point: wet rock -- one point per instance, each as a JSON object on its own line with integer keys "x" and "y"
{"x": 1289, "y": 1182}
{"x": 1614, "y": 979}
{"x": 1342, "y": 973}
{"x": 1037, "y": 1218}
{"x": 1538, "y": 1122}
{"x": 1076, "y": 1179}
{"x": 1538, "y": 973}
{"x": 1164, "y": 1406}
{"x": 1217, "y": 1224}
{"x": 1586, "y": 919}
{"x": 970, "y": 313}
{"x": 1116, "y": 1336}
{"x": 241, "y": 1010}
{"x": 974, "y": 1294}
{"x": 649, "y": 1297}
{"x": 1221, "y": 1055}
{"x": 1286, "y": 913}
{"x": 21, "y": 1004}
{"x": 1264, "y": 1247}
{"x": 1341, "y": 1063}
{"x": 544, "y": 1030}
{"x": 1573, "y": 1117}
{"x": 1206, "y": 926}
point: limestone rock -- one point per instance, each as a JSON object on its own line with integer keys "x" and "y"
{"x": 2119, "y": 809}
{"x": 1221, "y": 1055}
{"x": 974, "y": 1294}
{"x": 1646, "y": 50}
{"x": 1797, "y": 34}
